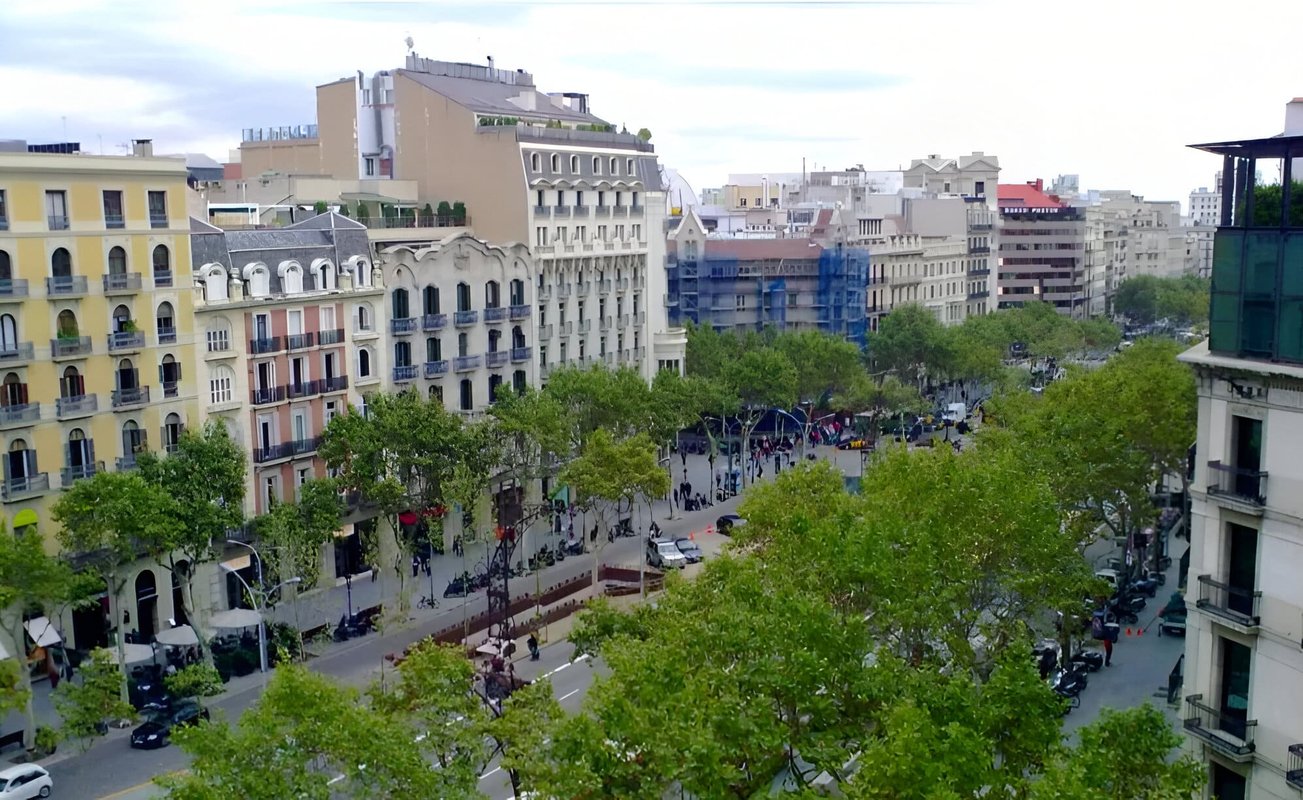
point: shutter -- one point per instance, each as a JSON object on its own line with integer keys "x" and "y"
{"x": 67, "y": 454}
{"x": 176, "y": 371}
{"x": 142, "y": 441}
{"x": 162, "y": 377}
{"x": 29, "y": 462}
{"x": 22, "y": 394}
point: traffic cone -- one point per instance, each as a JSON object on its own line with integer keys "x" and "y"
{"x": 692, "y": 536}
{"x": 1140, "y": 631}
{"x": 710, "y": 529}
{"x": 1128, "y": 631}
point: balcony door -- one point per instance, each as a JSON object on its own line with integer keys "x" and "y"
{"x": 294, "y": 322}
{"x": 261, "y": 326}
{"x": 1234, "y": 697}
{"x": 1246, "y": 443}
{"x": 266, "y": 375}
{"x": 81, "y": 451}
{"x": 1241, "y": 567}
{"x": 266, "y": 432}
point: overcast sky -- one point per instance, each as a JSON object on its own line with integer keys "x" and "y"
{"x": 1109, "y": 89}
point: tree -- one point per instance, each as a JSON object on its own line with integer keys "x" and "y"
{"x": 880, "y": 399}
{"x": 1136, "y": 298}
{"x": 363, "y": 213}
{"x": 762, "y": 379}
{"x": 825, "y": 364}
{"x": 30, "y": 581}
{"x": 320, "y": 207}
{"x": 194, "y": 680}
{"x": 911, "y": 343}
{"x": 459, "y": 213}
{"x": 618, "y": 401}
{"x": 1124, "y": 755}
{"x": 205, "y": 477}
{"x": 298, "y": 530}
{"x": 445, "y": 211}
{"x": 301, "y": 733}
{"x": 427, "y": 214}
{"x": 1268, "y": 201}
{"x": 106, "y": 518}
{"x": 87, "y": 707}
{"x": 644, "y": 134}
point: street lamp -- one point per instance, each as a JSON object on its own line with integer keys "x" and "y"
{"x": 260, "y": 597}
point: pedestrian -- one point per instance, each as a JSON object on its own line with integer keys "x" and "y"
{"x": 676, "y": 497}
{"x": 532, "y": 644}
{"x": 683, "y": 455}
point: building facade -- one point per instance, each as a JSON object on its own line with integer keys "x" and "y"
{"x": 1243, "y": 663}
{"x": 1042, "y": 250}
{"x": 96, "y": 338}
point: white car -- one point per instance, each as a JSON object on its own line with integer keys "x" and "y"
{"x": 25, "y": 781}
{"x": 664, "y": 554}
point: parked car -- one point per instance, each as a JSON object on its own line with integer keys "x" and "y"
{"x": 664, "y": 554}
{"x": 689, "y": 550}
{"x": 157, "y": 730}
{"x": 25, "y": 781}
{"x": 728, "y": 522}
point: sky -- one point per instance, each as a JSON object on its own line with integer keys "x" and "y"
{"x": 1111, "y": 90}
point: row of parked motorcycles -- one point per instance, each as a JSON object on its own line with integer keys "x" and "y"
{"x": 1067, "y": 680}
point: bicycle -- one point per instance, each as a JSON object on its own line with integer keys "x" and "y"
{"x": 427, "y": 602}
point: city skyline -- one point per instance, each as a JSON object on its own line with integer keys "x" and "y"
{"x": 1112, "y": 105}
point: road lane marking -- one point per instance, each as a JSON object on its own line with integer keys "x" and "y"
{"x": 493, "y": 771}
{"x": 583, "y": 657}
{"x": 567, "y": 694}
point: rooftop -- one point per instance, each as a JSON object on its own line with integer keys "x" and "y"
{"x": 762, "y": 249}
{"x": 485, "y": 96}
{"x": 1271, "y": 147}
{"x": 1023, "y": 195}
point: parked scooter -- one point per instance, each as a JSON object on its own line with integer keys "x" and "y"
{"x": 1092, "y": 660}
{"x": 574, "y": 547}
{"x": 1147, "y": 586}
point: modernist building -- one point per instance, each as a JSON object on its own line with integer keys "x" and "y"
{"x": 1243, "y": 661}
{"x": 529, "y": 167}
{"x": 1042, "y": 249}
{"x": 293, "y": 325}
{"x": 96, "y": 338}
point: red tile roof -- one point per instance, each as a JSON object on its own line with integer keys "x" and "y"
{"x": 759, "y": 249}
{"x": 1021, "y": 195}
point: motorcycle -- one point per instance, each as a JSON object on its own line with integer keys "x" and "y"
{"x": 351, "y": 627}
{"x": 574, "y": 547}
{"x": 1068, "y": 684}
{"x": 1146, "y": 586}
{"x": 1090, "y": 660}
{"x": 459, "y": 586}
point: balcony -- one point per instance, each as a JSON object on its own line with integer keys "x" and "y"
{"x": 1294, "y": 769}
{"x": 70, "y": 347}
{"x": 157, "y": 220}
{"x": 624, "y": 320}
{"x": 622, "y": 285}
{"x": 122, "y": 283}
{"x": 272, "y": 452}
{"x": 979, "y": 273}
{"x": 977, "y": 295}
{"x": 16, "y": 353}
{"x": 405, "y": 372}
{"x": 126, "y": 340}
{"x": 167, "y": 335}
{"x": 402, "y": 326}
{"x": 270, "y": 344}
{"x": 980, "y": 226}
{"x": 70, "y": 475}
{"x": 580, "y": 211}
{"x": 66, "y": 286}
{"x": 464, "y": 318}
{"x": 434, "y": 322}
{"x": 1226, "y": 733}
{"x": 300, "y": 341}
{"x": 545, "y": 332}
{"x": 583, "y": 287}
{"x": 27, "y": 485}
{"x": 979, "y": 251}
{"x": 545, "y": 292}
{"x": 604, "y": 287}
{"x": 134, "y": 396}
{"x": 162, "y": 278}
{"x": 566, "y": 328}
{"x": 301, "y": 447}
{"x": 269, "y": 394}
{"x": 561, "y": 211}
{"x": 1242, "y": 486}
{"x": 495, "y": 358}
{"x": 125, "y": 463}
{"x": 619, "y": 211}
{"x": 114, "y": 222}
{"x": 519, "y": 354}
{"x": 76, "y": 405}
{"x": 333, "y": 336}
{"x": 15, "y": 289}
{"x": 338, "y": 383}
{"x": 518, "y": 312}
{"x": 1232, "y": 603}
{"x": 436, "y": 369}
{"x": 564, "y": 291}
{"x": 171, "y": 389}
{"x": 421, "y": 221}
{"x": 605, "y": 323}
{"x": 542, "y": 211}
{"x": 299, "y": 389}
{"x": 601, "y": 211}
{"x": 466, "y": 363}
{"x": 495, "y": 314}
{"x": 57, "y": 222}
{"x": 19, "y": 415}
{"x": 585, "y": 325}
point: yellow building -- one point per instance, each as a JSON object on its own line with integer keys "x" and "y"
{"x": 96, "y": 321}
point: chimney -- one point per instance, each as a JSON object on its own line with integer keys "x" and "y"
{"x": 490, "y": 66}
{"x": 1038, "y": 184}
{"x": 142, "y": 148}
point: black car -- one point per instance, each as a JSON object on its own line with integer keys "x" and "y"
{"x": 157, "y": 730}
{"x": 726, "y": 523}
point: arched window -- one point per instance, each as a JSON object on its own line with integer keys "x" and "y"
{"x": 162, "y": 260}
{"x": 574, "y": 165}
{"x": 597, "y": 165}
{"x": 463, "y": 344}
{"x": 517, "y": 292}
{"x": 323, "y": 274}
{"x": 467, "y": 395}
{"x": 492, "y": 295}
{"x": 13, "y": 392}
{"x": 21, "y": 463}
{"x": 127, "y": 376}
{"x": 494, "y": 382}
{"x": 402, "y": 354}
{"x": 6, "y": 267}
{"x": 628, "y": 167}
{"x": 495, "y": 340}
{"x": 291, "y": 275}
{"x": 463, "y": 296}
{"x": 172, "y": 428}
{"x": 61, "y": 263}
{"x": 398, "y": 300}
{"x": 365, "y": 320}
{"x": 556, "y": 163}
{"x": 361, "y": 273}
{"x": 433, "y": 349}
{"x": 165, "y": 321}
{"x": 81, "y": 453}
{"x": 67, "y": 325}
{"x": 121, "y": 319}
{"x": 517, "y": 337}
{"x": 518, "y": 381}
{"x": 363, "y": 362}
{"x": 615, "y": 166}
{"x": 72, "y": 384}
{"x": 436, "y": 393}
{"x": 535, "y": 162}
{"x": 215, "y": 290}
{"x": 221, "y": 385}
{"x": 169, "y": 374}
{"x": 133, "y": 440}
{"x": 259, "y": 279}
{"x": 117, "y": 261}
{"x": 8, "y": 333}
{"x": 430, "y": 300}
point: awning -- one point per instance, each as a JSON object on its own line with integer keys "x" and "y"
{"x": 236, "y": 618}
{"x": 180, "y": 636}
{"x": 133, "y": 653}
{"x": 42, "y": 632}
{"x": 238, "y": 563}
{"x": 25, "y": 518}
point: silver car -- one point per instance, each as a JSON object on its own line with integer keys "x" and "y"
{"x": 689, "y": 550}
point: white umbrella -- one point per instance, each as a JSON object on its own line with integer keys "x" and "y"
{"x": 134, "y": 653}
{"x": 42, "y": 632}
{"x": 180, "y": 636}
{"x": 234, "y": 618}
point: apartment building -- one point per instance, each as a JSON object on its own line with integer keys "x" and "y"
{"x": 1156, "y": 241}
{"x": 96, "y": 336}
{"x": 974, "y": 175}
{"x": 1042, "y": 249}
{"x": 529, "y": 167}
{"x": 742, "y": 284}
{"x": 293, "y": 322}
{"x": 1243, "y": 661}
{"x": 1107, "y": 234}
{"x": 461, "y": 319}
{"x": 1206, "y": 204}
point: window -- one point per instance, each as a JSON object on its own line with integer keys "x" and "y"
{"x": 495, "y": 337}
{"x": 435, "y": 393}
{"x": 162, "y": 266}
{"x": 258, "y": 278}
{"x": 517, "y": 292}
{"x": 363, "y": 318}
{"x": 555, "y": 163}
{"x": 61, "y": 263}
{"x": 636, "y": 233}
{"x": 467, "y": 394}
{"x": 6, "y": 267}
{"x": 430, "y": 300}
{"x": 536, "y": 164}
{"x": 560, "y": 198}
{"x": 361, "y": 273}
{"x": 113, "y": 210}
{"x": 463, "y": 296}
{"x": 399, "y": 303}
{"x": 540, "y": 236}
{"x": 463, "y": 345}
{"x": 601, "y": 233}
{"x": 619, "y": 199}
{"x": 172, "y": 432}
{"x": 157, "y": 209}
{"x": 517, "y": 337}
{"x": 214, "y": 277}
{"x": 759, "y": 203}
{"x": 601, "y": 198}
{"x": 368, "y": 166}
{"x": 979, "y": 187}
{"x": 492, "y": 295}
{"x": 741, "y": 302}
{"x": 165, "y": 323}
{"x": 219, "y": 337}
{"x": 518, "y": 381}
{"x": 8, "y": 334}
{"x": 4, "y": 211}
{"x": 633, "y": 199}
{"x": 742, "y": 201}
{"x": 597, "y": 165}
{"x": 169, "y": 374}
{"x": 579, "y": 198}
{"x": 615, "y": 166}
{"x": 133, "y": 440}
{"x": 433, "y": 349}
{"x": 291, "y": 275}
{"x": 221, "y": 382}
{"x": 271, "y": 491}
{"x": 13, "y": 392}
{"x": 574, "y": 165}
{"x": 20, "y": 465}
{"x": 56, "y": 210}
{"x": 540, "y": 198}
{"x": 364, "y": 366}
{"x": 628, "y": 167}
{"x": 121, "y": 319}
{"x": 402, "y": 354}
{"x": 72, "y": 384}
{"x": 80, "y": 454}
{"x": 494, "y": 382}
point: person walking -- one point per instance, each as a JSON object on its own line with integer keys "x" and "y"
{"x": 532, "y": 644}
